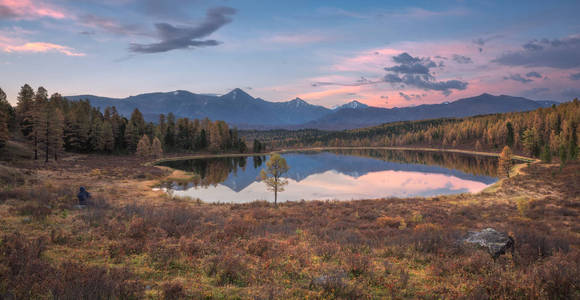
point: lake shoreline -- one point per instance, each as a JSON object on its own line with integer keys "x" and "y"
{"x": 204, "y": 156}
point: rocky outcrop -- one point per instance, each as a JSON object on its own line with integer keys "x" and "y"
{"x": 496, "y": 243}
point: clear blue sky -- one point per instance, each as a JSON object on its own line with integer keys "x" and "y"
{"x": 383, "y": 53}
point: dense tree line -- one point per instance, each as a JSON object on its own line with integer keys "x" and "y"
{"x": 544, "y": 133}
{"x": 54, "y": 124}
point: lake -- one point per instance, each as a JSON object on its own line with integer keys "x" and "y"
{"x": 345, "y": 174}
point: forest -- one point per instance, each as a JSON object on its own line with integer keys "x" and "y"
{"x": 54, "y": 124}
{"x": 544, "y": 133}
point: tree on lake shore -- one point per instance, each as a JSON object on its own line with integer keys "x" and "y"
{"x": 275, "y": 168}
{"x": 505, "y": 162}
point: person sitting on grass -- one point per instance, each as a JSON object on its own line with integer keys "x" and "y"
{"x": 83, "y": 196}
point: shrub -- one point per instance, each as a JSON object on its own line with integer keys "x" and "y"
{"x": 173, "y": 290}
{"x": 260, "y": 247}
{"x": 393, "y": 222}
{"x": 531, "y": 245}
{"x": 228, "y": 268}
{"x": 357, "y": 264}
{"x": 558, "y": 277}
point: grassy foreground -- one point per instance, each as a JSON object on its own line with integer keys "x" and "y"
{"x": 138, "y": 243}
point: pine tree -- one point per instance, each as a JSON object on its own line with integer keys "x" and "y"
{"x": 40, "y": 119}
{"x": 138, "y": 121}
{"x": 24, "y": 109}
{"x": 57, "y": 133}
{"x": 8, "y": 110}
{"x": 108, "y": 140}
{"x": 156, "y": 148}
{"x": 144, "y": 147}
{"x": 131, "y": 137}
{"x": 4, "y": 133}
{"x": 505, "y": 162}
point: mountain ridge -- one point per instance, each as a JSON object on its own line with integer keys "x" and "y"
{"x": 240, "y": 109}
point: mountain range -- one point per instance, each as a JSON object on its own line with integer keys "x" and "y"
{"x": 240, "y": 109}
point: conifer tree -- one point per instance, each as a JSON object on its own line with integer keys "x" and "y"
{"x": 144, "y": 147}
{"x": 505, "y": 162}
{"x": 8, "y": 110}
{"x": 156, "y": 148}
{"x": 131, "y": 137}
{"x": 57, "y": 133}
{"x": 24, "y": 109}
{"x": 4, "y": 133}
{"x": 108, "y": 140}
{"x": 39, "y": 118}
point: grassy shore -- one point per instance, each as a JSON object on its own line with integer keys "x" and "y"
{"x": 134, "y": 242}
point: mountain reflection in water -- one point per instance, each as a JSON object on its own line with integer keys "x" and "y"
{"x": 338, "y": 175}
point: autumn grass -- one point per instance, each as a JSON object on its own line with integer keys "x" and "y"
{"x": 159, "y": 247}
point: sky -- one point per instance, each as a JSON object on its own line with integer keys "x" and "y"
{"x": 381, "y": 53}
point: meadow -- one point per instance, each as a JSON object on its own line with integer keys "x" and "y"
{"x": 133, "y": 242}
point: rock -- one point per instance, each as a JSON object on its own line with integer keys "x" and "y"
{"x": 496, "y": 243}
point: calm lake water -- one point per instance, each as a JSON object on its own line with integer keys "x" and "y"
{"x": 337, "y": 175}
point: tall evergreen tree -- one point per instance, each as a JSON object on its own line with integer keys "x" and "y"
{"x": 24, "y": 109}
{"x": 108, "y": 140}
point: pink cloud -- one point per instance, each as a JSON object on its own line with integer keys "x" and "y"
{"x": 40, "y": 47}
{"x": 30, "y": 9}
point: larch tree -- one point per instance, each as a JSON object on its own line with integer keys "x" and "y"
{"x": 156, "y": 148}
{"x": 144, "y": 147}
{"x": 131, "y": 137}
{"x": 8, "y": 110}
{"x": 4, "y": 133}
{"x": 40, "y": 119}
{"x": 24, "y": 109}
{"x": 57, "y": 133}
{"x": 505, "y": 162}
{"x": 108, "y": 140}
{"x": 6, "y": 118}
{"x": 272, "y": 175}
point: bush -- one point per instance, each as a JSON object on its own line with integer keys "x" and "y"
{"x": 357, "y": 264}
{"x": 531, "y": 245}
{"x": 558, "y": 277}
{"x": 228, "y": 269}
{"x": 260, "y": 247}
{"x": 173, "y": 290}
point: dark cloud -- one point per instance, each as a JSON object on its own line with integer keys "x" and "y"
{"x": 173, "y": 37}
{"x": 385, "y": 97}
{"x": 6, "y": 12}
{"x": 534, "y": 74}
{"x": 411, "y": 65}
{"x": 558, "y": 53}
{"x": 575, "y": 76}
{"x": 415, "y": 71}
{"x": 407, "y": 97}
{"x": 517, "y": 77}
{"x": 87, "y": 32}
{"x": 460, "y": 59}
{"x": 392, "y": 78}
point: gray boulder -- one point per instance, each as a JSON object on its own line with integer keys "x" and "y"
{"x": 496, "y": 243}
